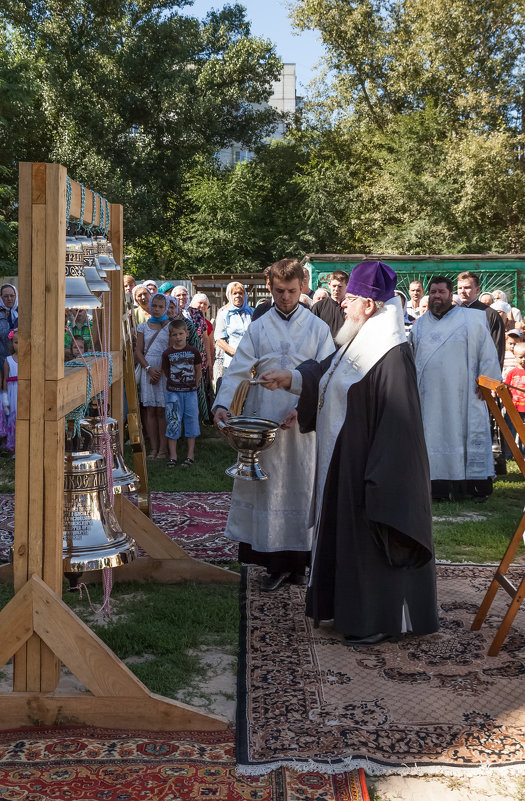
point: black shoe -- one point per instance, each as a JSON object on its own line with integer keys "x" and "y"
{"x": 274, "y": 581}
{"x": 480, "y": 498}
{"x": 299, "y": 579}
{"x": 371, "y": 639}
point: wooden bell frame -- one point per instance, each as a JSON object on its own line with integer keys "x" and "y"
{"x": 491, "y": 389}
{"x": 36, "y": 627}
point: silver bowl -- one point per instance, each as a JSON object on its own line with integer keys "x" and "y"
{"x": 248, "y": 436}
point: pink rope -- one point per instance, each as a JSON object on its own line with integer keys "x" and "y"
{"x": 107, "y": 580}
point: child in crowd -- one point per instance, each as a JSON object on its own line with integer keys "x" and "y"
{"x": 511, "y": 339}
{"x": 516, "y": 378}
{"x": 10, "y": 391}
{"x": 78, "y": 347}
{"x": 182, "y": 366}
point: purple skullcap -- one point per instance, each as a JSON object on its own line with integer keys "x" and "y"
{"x": 372, "y": 279}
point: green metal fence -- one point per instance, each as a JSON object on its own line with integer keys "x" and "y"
{"x": 495, "y": 272}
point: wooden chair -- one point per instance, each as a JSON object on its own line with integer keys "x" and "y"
{"x": 488, "y": 386}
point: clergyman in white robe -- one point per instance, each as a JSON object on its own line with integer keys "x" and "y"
{"x": 450, "y": 353}
{"x": 273, "y": 515}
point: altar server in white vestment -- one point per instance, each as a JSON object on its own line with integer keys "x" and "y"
{"x": 452, "y": 347}
{"x": 270, "y": 519}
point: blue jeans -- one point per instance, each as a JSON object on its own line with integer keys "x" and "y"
{"x": 182, "y": 408}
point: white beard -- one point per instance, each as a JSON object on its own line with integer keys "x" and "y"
{"x": 348, "y": 332}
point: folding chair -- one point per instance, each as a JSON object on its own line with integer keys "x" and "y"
{"x": 487, "y": 387}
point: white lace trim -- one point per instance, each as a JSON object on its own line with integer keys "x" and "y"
{"x": 373, "y": 768}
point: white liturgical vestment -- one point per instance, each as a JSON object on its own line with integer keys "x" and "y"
{"x": 450, "y": 353}
{"x": 273, "y": 515}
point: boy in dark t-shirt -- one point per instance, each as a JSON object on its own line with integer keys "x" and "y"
{"x": 181, "y": 364}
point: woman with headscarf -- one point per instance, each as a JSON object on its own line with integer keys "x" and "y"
{"x": 8, "y": 318}
{"x": 505, "y": 312}
{"x": 152, "y": 341}
{"x": 499, "y": 294}
{"x": 141, "y": 298}
{"x": 200, "y": 303}
{"x": 232, "y": 321}
{"x": 152, "y": 286}
{"x": 166, "y": 287}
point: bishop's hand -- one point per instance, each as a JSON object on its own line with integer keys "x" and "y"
{"x": 289, "y": 420}
{"x": 276, "y": 379}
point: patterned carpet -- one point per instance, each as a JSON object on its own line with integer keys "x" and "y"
{"x": 434, "y": 704}
{"x": 91, "y": 764}
{"x": 196, "y": 520}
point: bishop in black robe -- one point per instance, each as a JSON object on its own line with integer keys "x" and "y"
{"x": 373, "y": 565}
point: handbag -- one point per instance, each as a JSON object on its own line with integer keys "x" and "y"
{"x": 138, "y": 367}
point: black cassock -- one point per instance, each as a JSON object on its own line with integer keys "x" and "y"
{"x": 374, "y": 548}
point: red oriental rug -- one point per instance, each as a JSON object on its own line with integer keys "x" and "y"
{"x": 195, "y": 520}
{"x": 78, "y": 764}
{"x": 436, "y": 704}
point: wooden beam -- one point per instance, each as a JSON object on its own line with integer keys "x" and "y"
{"x": 88, "y": 658}
{"x": 69, "y": 392}
{"x": 167, "y": 571}
{"x": 16, "y": 623}
{"x": 153, "y": 712}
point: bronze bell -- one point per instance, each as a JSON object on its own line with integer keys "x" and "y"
{"x": 78, "y": 293}
{"x": 93, "y": 277}
{"x": 92, "y": 537}
{"x": 105, "y": 254}
{"x": 124, "y": 480}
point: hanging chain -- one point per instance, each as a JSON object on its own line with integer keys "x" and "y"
{"x": 68, "y": 199}
{"x": 82, "y": 204}
{"x": 102, "y": 221}
{"x": 108, "y": 217}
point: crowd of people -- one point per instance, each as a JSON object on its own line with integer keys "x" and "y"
{"x": 156, "y": 308}
{"x": 376, "y": 397}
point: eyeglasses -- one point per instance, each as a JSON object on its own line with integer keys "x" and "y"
{"x": 351, "y": 298}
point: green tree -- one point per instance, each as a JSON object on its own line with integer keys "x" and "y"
{"x": 131, "y": 91}
{"x": 389, "y": 57}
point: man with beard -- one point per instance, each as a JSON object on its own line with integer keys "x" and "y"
{"x": 270, "y": 518}
{"x": 373, "y": 567}
{"x": 452, "y": 347}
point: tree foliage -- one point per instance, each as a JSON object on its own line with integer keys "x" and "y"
{"x": 412, "y": 141}
{"x": 130, "y": 91}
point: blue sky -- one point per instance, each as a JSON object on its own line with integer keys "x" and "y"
{"x": 269, "y": 19}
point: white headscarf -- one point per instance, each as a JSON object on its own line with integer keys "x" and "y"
{"x": 135, "y": 290}
{"x": 11, "y": 313}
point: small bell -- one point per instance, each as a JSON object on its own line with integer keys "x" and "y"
{"x": 92, "y": 537}
{"x": 78, "y": 294}
{"x": 104, "y": 250}
{"x": 124, "y": 480}
{"x": 93, "y": 277}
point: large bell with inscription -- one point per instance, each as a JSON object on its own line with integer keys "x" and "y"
{"x": 78, "y": 293}
{"x": 124, "y": 480}
{"x": 93, "y": 538}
